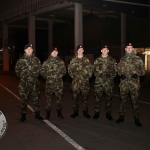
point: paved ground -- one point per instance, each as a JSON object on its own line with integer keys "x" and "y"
{"x": 68, "y": 134}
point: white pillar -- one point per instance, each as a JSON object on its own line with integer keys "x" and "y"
{"x": 78, "y": 26}
{"x": 123, "y": 33}
{"x": 31, "y": 31}
{"x": 50, "y": 36}
{"x": 5, "y": 47}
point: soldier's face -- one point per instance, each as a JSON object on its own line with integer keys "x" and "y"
{"x": 54, "y": 53}
{"x": 129, "y": 49}
{"x": 104, "y": 51}
{"x": 28, "y": 51}
{"x": 80, "y": 52}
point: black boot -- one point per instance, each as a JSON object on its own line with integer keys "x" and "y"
{"x": 47, "y": 114}
{"x": 59, "y": 115}
{"x": 137, "y": 122}
{"x": 85, "y": 113}
{"x": 108, "y": 116}
{"x": 23, "y": 117}
{"x": 38, "y": 116}
{"x": 75, "y": 114}
{"x": 121, "y": 119}
{"x": 96, "y": 115}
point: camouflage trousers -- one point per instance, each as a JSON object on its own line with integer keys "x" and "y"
{"x": 52, "y": 89}
{"x": 101, "y": 90}
{"x": 80, "y": 90}
{"x": 134, "y": 94}
{"x": 27, "y": 89}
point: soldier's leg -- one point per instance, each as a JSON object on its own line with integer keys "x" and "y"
{"x": 49, "y": 96}
{"x": 58, "y": 96}
{"x": 98, "y": 97}
{"x": 76, "y": 95}
{"x": 84, "y": 96}
{"x": 134, "y": 97}
{"x": 35, "y": 91}
{"x": 136, "y": 112}
{"x": 108, "y": 105}
{"x": 108, "y": 100}
{"x": 76, "y": 98}
{"x": 24, "y": 94}
{"x": 124, "y": 94}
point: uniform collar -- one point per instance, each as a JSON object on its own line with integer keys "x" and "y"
{"x": 129, "y": 54}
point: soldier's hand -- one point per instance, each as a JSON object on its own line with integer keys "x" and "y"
{"x": 135, "y": 76}
{"x": 122, "y": 76}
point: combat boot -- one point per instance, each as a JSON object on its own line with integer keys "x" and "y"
{"x": 75, "y": 114}
{"x": 38, "y": 116}
{"x": 121, "y": 119}
{"x": 96, "y": 115}
{"x": 109, "y": 117}
{"x": 137, "y": 122}
{"x": 23, "y": 117}
{"x": 47, "y": 114}
{"x": 85, "y": 113}
{"x": 59, "y": 115}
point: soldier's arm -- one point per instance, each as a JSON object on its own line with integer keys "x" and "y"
{"x": 119, "y": 68}
{"x": 17, "y": 68}
{"x": 22, "y": 68}
{"x": 71, "y": 69}
{"x": 97, "y": 68}
{"x": 62, "y": 69}
{"x": 114, "y": 71}
{"x": 141, "y": 69}
{"x": 36, "y": 68}
{"x": 43, "y": 70}
{"x": 87, "y": 69}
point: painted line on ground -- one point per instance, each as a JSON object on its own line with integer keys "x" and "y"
{"x": 114, "y": 95}
{"x": 66, "y": 137}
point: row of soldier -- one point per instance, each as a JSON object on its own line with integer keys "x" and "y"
{"x": 105, "y": 68}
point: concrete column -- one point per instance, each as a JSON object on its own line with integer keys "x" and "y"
{"x": 5, "y": 47}
{"x": 50, "y": 36}
{"x": 149, "y": 10}
{"x": 78, "y": 26}
{"x": 31, "y": 31}
{"x": 123, "y": 33}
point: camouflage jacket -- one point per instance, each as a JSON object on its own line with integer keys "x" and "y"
{"x": 105, "y": 68}
{"x": 53, "y": 69}
{"x": 28, "y": 67}
{"x": 80, "y": 68}
{"x": 131, "y": 64}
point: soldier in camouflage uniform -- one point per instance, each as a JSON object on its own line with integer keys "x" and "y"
{"x": 53, "y": 69}
{"x": 80, "y": 70}
{"x": 105, "y": 69}
{"x": 130, "y": 68}
{"x": 28, "y": 69}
